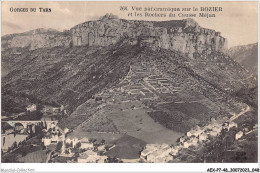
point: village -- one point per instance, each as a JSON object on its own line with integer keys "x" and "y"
{"x": 52, "y": 140}
{"x": 72, "y": 149}
{"x": 196, "y": 137}
{"x": 91, "y": 151}
{"x": 60, "y": 146}
{"x": 36, "y": 112}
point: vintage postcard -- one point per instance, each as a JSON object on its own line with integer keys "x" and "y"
{"x": 129, "y": 82}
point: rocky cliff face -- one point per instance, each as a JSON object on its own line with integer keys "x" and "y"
{"x": 38, "y": 38}
{"x": 185, "y": 36}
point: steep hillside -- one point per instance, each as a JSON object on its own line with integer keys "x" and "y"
{"x": 62, "y": 75}
{"x": 176, "y": 91}
{"x": 136, "y": 77}
{"x": 246, "y": 55}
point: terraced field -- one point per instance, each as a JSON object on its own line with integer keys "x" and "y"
{"x": 150, "y": 102}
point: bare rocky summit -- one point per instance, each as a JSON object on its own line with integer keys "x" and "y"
{"x": 35, "y": 39}
{"x": 185, "y": 36}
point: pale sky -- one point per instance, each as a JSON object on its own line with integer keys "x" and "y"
{"x": 237, "y": 22}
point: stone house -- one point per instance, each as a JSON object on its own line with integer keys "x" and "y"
{"x": 191, "y": 142}
{"x": 203, "y": 137}
{"x": 46, "y": 141}
{"x": 31, "y": 108}
{"x": 86, "y": 145}
{"x": 239, "y": 135}
{"x": 88, "y": 157}
{"x": 101, "y": 148}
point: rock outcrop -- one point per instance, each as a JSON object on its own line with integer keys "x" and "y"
{"x": 185, "y": 35}
{"x": 38, "y": 38}
{"x": 246, "y": 55}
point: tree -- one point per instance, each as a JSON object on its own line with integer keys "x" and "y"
{"x": 103, "y": 141}
{"x": 106, "y": 147}
{"x": 50, "y": 130}
{"x": 78, "y": 145}
{"x": 92, "y": 140}
{"x": 59, "y": 133}
{"x": 67, "y": 145}
{"x": 15, "y": 144}
{"x": 113, "y": 160}
{"x": 48, "y": 151}
{"x": 45, "y": 124}
{"x": 24, "y": 153}
{"x": 20, "y": 144}
{"x": 58, "y": 147}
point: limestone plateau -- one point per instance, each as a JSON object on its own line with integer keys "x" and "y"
{"x": 185, "y": 35}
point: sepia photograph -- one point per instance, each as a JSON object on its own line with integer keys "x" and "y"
{"x": 129, "y": 82}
